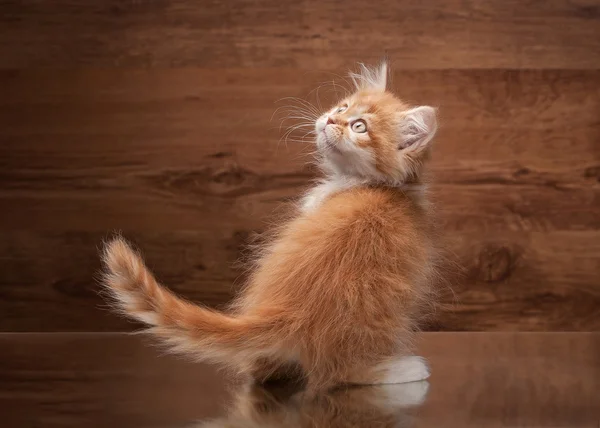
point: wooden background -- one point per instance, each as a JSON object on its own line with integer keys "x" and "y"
{"x": 153, "y": 117}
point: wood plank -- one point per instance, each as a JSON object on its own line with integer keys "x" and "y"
{"x": 488, "y": 376}
{"x": 101, "y": 380}
{"x": 307, "y": 34}
{"x": 482, "y": 380}
{"x": 50, "y": 281}
{"x": 469, "y": 207}
{"x": 161, "y": 116}
{"x": 110, "y": 149}
{"x": 538, "y": 281}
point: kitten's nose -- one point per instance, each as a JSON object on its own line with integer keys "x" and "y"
{"x": 330, "y": 121}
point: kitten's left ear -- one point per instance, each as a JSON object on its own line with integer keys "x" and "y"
{"x": 417, "y": 127}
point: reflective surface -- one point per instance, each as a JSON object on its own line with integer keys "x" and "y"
{"x": 374, "y": 406}
{"x": 478, "y": 380}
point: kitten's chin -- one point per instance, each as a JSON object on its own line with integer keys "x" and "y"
{"x": 326, "y": 146}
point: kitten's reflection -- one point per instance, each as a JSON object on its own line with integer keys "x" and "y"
{"x": 286, "y": 406}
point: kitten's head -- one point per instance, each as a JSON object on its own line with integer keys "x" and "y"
{"x": 373, "y": 135}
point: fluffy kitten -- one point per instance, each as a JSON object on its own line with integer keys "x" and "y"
{"x": 339, "y": 289}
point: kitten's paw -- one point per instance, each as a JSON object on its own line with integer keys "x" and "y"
{"x": 406, "y": 369}
{"x": 413, "y": 393}
{"x": 400, "y": 396}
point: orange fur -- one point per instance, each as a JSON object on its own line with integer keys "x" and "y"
{"x": 340, "y": 288}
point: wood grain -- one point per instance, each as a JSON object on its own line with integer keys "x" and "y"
{"x": 537, "y": 281}
{"x": 194, "y": 145}
{"x": 480, "y": 380}
{"x": 187, "y": 163}
{"x": 308, "y": 34}
{"x": 101, "y": 380}
{"x": 156, "y": 118}
{"x": 512, "y": 281}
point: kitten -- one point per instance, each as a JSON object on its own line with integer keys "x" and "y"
{"x": 339, "y": 290}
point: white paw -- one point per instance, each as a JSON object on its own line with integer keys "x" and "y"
{"x": 413, "y": 394}
{"x": 406, "y": 369}
{"x": 401, "y": 396}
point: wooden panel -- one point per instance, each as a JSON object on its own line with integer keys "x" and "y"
{"x": 538, "y": 281}
{"x": 100, "y": 380}
{"x": 482, "y": 380}
{"x": 187, "y": 163}
{"x": 309, "y": 34}
{"x": 50, "y": 281}
{"x": 137, "y": 150}
{"x": 512, "y": 281}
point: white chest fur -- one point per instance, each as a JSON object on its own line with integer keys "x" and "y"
{"x": 318, "y": 194}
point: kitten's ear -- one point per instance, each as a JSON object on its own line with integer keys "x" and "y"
{"x": 417, "y": 127}
{"x": 370, "y": 78}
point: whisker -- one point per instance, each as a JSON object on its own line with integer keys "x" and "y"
{"x": 305, "y": 103}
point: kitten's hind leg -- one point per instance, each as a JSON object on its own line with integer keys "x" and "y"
{"x": 390, "y": 371}
{"x": 393, "y": 371}
{"x": 399, "y": 396}
{"x": 403, "y": 370}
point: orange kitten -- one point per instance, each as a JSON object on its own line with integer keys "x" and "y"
{"x": 340, "y": 288}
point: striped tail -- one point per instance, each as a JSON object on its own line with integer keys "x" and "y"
{"x": 185, "y": 327}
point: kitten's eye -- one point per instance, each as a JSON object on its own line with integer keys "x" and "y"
{"x": 359, "y": 126}
{"x": 342, "y": 109}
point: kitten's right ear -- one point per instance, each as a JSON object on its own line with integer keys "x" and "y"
{"x": 417, "y": 128}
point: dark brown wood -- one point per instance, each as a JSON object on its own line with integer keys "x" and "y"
{"x": 60, "y": 380}
{"x": 311, "y": 34}
{"x": 187, "y": 164}
{"x": 478, "y": 380}
{"x": 154, "y": 118}
{"x": 511, "y": 281}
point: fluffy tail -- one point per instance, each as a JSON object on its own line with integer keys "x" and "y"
{"x": 185, "y": 327}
